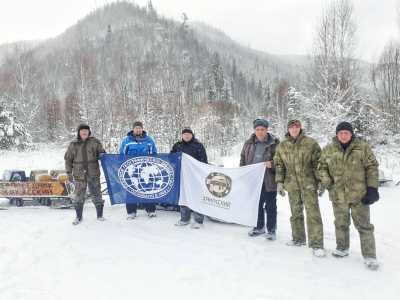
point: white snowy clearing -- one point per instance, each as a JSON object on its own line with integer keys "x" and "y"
{"x": 42, "y": 256}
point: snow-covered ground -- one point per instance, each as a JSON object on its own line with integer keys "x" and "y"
{"x": 42, "y": 256}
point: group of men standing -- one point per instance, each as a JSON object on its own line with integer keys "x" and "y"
{"x": 138, "y": 142}
{"x": 81, "y": 164}
{"x": 346, "y": 167}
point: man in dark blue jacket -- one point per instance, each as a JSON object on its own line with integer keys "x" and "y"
{"x": 191, "y": 146}
{"x": 138, "y": 143}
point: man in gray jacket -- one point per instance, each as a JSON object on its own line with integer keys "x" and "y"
{"x": 261, "y": 147}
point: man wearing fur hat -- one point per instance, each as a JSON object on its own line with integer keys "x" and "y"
{"x": 261, "y": 147}
{"x": 349, "y": 170}
{"x": 296, "y": 163}
{"x": 82, "y": 166}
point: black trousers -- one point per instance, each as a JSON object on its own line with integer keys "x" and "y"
{"x": 132, "y": 207}
{"x": 268, "y": 205}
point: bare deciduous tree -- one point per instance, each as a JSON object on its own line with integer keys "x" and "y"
{"x": 386, "y": 80}
{"x": 334, "y": 73}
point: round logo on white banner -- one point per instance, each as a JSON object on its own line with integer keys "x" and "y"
{"x": 218, "y": 184}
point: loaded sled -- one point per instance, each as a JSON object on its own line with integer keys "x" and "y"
{"x": 42, "y": 187}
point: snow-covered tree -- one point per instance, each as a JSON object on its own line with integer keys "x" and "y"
{"x": 123, "y": 63}
{"x": 386, "y": 80}
{"x": 334, "y": 74}
{"x": 12, "y": 133}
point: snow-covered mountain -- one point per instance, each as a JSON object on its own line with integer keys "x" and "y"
{"x": 123, "y": 62}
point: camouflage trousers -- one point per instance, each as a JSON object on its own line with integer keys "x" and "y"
{"x": 94, "y": 188}
{"x": 309, "y": 200}
{"x": 361, "y": 217}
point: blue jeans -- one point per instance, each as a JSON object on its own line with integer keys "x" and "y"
{"x": 267, "y": 202}
{"x": 186, "y": 213}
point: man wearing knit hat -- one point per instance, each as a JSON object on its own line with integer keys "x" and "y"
{"x": 137, "y": 142}
{"x": 349, "y": 170}
{"x": 296, "y": 162}
{"x": 260, "y": 147}
{"x": 82, "y": 166}
{"x": 191, "y": 146}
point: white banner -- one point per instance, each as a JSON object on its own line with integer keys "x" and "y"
{"x": 229, "y": 194}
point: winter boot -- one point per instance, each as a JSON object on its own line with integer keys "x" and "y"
{"x": 371, "y": 263}
{"x": 182, "y": 223}
{"x": 294, "y": 243}
{"x": 319, "y": 252}
{"x": 99, "y": 211}
{"x": 256, "y": 232}
{"x": 340, "y": 253}
{"x": 79, "y": 211}
{"x": 152, "y": 214}
{"x": 271, "y": 236}
{"x": 131, "y": 216}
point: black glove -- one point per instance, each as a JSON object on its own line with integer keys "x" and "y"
{"x": 371, "y": 196}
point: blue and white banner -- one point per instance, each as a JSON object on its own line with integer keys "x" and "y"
{"x": 142, "y": 179}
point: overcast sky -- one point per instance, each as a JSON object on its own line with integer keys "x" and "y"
{"x": 281, "y": 27}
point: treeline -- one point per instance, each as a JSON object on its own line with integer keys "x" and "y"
{"x": 124, "y": 62}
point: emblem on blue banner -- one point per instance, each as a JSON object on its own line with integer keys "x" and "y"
{"x": 147, "y": 177}
{"x": 143, "y": 179}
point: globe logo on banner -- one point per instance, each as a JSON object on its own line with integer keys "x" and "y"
{"x": 147, "y": 177}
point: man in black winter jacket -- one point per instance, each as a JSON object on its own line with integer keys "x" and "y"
{"x": 191, "y": 146}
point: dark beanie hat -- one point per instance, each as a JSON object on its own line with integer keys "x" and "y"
{"x": 83, "y": 126}
{"x": 260, "y": 122}
{"x": 293, "y": 122}
{"x": 138, "y": 124}
{"x": 345, "y": 126}
{"x": 187, "y": 130}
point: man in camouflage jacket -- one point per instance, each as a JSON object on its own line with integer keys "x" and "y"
{"x": 349, "y": 170}
{"x": 296, "y": 162}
